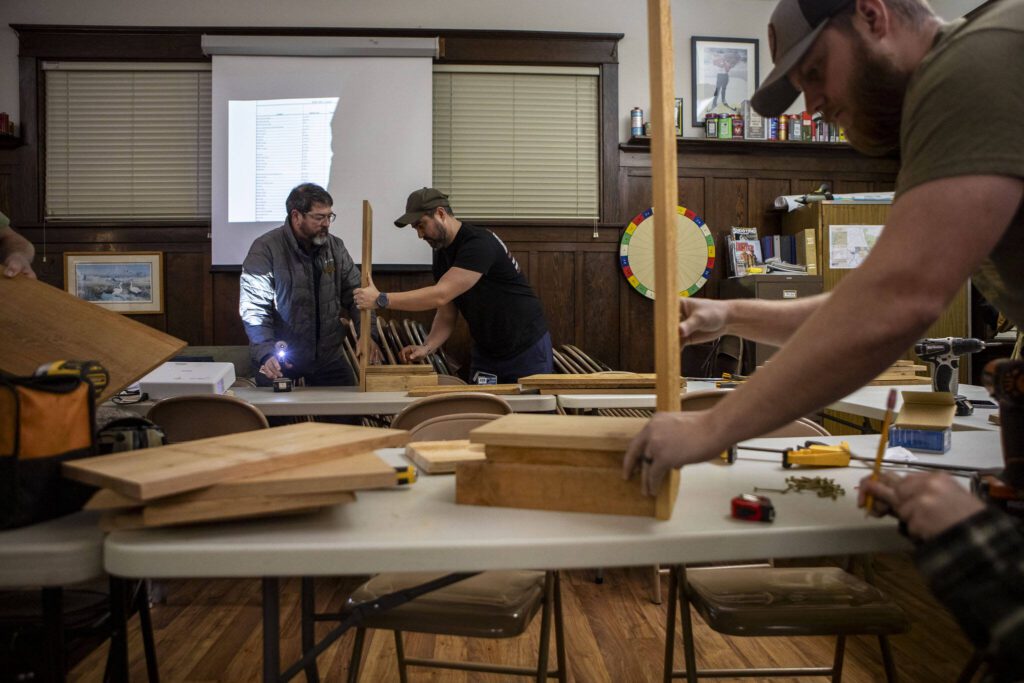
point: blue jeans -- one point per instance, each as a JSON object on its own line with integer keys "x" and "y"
{"x": 535, "y": 360}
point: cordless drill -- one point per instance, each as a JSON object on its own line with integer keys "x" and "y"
{"x": 944, "y": 354}
{"x": 1004, "y": 379}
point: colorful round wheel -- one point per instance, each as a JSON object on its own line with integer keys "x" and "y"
{"x": 694, "y": 244}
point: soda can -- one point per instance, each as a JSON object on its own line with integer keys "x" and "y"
{"x": 783, "y": 127}
{"x": 636, "y": 118}
{"x": 773, "y": 128}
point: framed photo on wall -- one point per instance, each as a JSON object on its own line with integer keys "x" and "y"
{"x": 126, "y": 282}
{"x": 724, "y": 73}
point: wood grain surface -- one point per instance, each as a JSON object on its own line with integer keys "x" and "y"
{"x": 42, "y": 324}
{"x": 163, "y": 471}
{"x": 580, "y": 432}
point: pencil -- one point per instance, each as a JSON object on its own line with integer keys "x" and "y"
{"x": 883, "y": 440}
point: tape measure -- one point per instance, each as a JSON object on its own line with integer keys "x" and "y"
{"x": 752, "y": 508}
{"x": 90, "y": 370}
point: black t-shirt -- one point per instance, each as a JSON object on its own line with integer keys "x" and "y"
{"x": 504, "y": 315}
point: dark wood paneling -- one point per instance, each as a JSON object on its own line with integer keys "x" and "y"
{"x": 555, "y": 283}
{"x": 598, "y": 288}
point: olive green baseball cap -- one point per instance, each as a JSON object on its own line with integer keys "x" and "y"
{"x": 792, "y": 29}
{"x": 420, "y": 203}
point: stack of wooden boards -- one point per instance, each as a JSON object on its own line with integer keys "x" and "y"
{"x": 902, "y": 372}
{"x": 559, "y": 462}
{"x": 399, "y": 377}
{"x": 282, "y": 470}
{"x": 594, "y": 383}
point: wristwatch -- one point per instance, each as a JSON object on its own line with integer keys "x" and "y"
{"x": 382, "y": 300}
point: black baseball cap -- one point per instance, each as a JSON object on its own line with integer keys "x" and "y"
{"x": 793, "y": 28}
{"x": 420, "y": 203}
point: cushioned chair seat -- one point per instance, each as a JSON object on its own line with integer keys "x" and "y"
{"x": 759, "y": 601}
{"x": 497, "y": 604}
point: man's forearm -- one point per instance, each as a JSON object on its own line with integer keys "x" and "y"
{"x": 13, "y": 243}
{"x": 770, "y": 322}
{"x": 441, "y": 328}
{"x": 877, "y": 311}
{"x": 423, "y": 299}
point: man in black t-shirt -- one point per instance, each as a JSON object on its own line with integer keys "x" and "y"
{"x": 475, "y": 275}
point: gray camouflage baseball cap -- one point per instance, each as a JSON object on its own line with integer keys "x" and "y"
{"x": 793, "y": 28}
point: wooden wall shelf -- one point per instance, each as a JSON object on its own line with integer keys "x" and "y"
{"x": 762, "y": 147}
{"x": 10, "y": 141}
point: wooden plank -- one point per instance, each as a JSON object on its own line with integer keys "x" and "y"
{"x": 579, "y": 432}
{"x": 163, "y": 471}
{"x": 554, "y": 487}
{"x": 664, "y": 183}
{"x": 365, "y": 280}
{"x": 402, "y": 370}
{"x": 573, "y": 457}
{"x": 171, "y": 513}
{"x": 441, "y": 457}
{"x": 558, "y": 391}
{"x": 498, "y": 389}
{"x": 586, "y": 381}
{"x": 349, "y": 473}
{"x": 42, "y": 324}
{"x": 389, "y": 381}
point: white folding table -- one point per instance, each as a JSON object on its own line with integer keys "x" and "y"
{"x": 347, "y": 401}
{"x": 420, "y": 528}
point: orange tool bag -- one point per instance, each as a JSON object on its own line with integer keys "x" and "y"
{"x": 44, "y": 421}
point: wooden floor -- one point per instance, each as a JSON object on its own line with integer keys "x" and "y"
{"x": 209, "y": 630}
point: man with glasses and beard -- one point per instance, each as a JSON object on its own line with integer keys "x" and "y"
{"x": 949, "y": 97}
{"x": 297, "y": 282}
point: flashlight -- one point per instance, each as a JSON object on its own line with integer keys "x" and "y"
{"x": 280, "y": 349}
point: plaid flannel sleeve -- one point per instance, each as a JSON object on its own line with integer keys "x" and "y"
{"x": 976, "y": 568}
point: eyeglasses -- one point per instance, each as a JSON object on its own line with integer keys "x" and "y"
{"x": 321, "y": 217}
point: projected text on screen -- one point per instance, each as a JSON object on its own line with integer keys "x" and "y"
{"x": 274, "y": 145}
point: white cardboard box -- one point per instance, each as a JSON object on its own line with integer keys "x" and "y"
{"x": 185, "y": 379}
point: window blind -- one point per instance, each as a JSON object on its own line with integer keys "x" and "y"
{"x": 127, "y": 142}
{"x": 517, "y": 144}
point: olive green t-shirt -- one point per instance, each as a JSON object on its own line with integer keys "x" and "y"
{"x": 964, "y": 115}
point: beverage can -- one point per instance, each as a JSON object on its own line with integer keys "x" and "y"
{"x": 636, "y": 118}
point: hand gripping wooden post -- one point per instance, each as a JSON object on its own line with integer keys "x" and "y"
{"x": 665, "y": 190}
{"x": 366, "y": 279}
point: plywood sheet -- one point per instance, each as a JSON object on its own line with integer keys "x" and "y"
{"x": 172, "y": 513}
{"x": 42, "y": 324}
{"x": 157, "y": 472}
{"x": 580, "y": 432}
{"x": 349, "y": 473}
{"x": 560, "y": 488}
{"x": 498, "y": 389}
{"x": 441, "y": 457}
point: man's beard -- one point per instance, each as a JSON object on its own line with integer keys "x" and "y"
{"x": 319, "y": 239}
{"x": 876, "y": 97}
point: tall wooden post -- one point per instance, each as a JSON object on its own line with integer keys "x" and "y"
{"x": 665, "y": 184}
{"x": 366, "y": 279}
